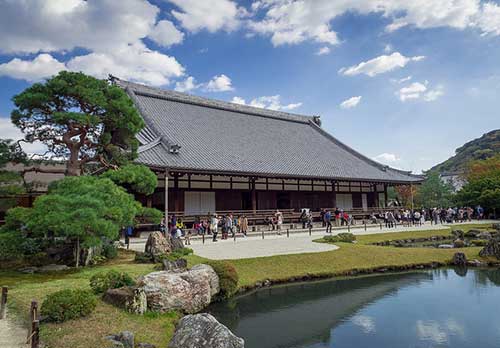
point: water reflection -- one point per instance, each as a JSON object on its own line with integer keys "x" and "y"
{"x": 440, "y": 308}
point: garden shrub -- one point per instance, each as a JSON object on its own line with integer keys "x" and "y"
{"x": 141, "y": 257}
{"x": 479, "y": 242}
{"x": 228, "y": 279}
{"x": 109, "y": 251}
{"x": 68, "y": 304}
{"x": 103, "y": 281}
{"x": 458, "y": 243}
{"x": 341, "y": 237}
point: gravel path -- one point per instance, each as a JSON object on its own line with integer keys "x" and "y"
{"x": 12, "y": 334}
{"x": 299, "y": 242}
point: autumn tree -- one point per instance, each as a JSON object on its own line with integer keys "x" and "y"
{"x": 79, "y": 118}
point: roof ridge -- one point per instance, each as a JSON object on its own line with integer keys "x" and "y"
{"x": 154, "y": 92}
{"x": 381, "y": 166}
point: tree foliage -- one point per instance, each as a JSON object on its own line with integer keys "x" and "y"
{"x": 404, "y": 194}
{"x": 85, "y": 209}
{"x": 134, "y": 178}
{"x": 483, "y": 185}
{"x": 11, "y": 183}
{"x": 434, "y": 192}
{"x": 478, "y": 149}
{"x": 79, "y": 118}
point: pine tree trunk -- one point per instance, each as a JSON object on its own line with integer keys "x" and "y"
{"x": 77, "y": 252}
{"x": 73, "y": 164}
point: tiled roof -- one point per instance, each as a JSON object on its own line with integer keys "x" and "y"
{"x": 220, "y": 137}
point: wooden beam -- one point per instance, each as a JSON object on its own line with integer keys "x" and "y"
{"x": 166, "y": 196}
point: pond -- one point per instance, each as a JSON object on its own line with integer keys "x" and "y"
{"x": 438, "y": 308}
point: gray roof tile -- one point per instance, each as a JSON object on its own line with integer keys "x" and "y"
{"x": 218, "y": 136}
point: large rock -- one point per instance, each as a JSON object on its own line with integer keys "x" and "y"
{"x": 204, "y": 331}
{"x": 157, "y": 245}
{"x": 131, "y": 299}
{"x": 491, "y": 249}
{"x": 459, "y": 259}
{"x": 188, "y": 291}
{"x": 124, "y": 339}
{"x": 176, "y": 243}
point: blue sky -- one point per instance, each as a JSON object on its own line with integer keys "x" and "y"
{"x": 403, "y": 82}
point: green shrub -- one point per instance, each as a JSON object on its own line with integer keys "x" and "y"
{"x": 175, "y": 255}
{"x": 458, "y": 243}
{"x": 103, "y": 281}
{"x": 68, "y": 304}
{"x": 340, "y": 238}
{"x": 109, "y": 251}
{"x": 479, "y": 242}
{"x": 228, "y": 279}
{"x": 143, "y": 257}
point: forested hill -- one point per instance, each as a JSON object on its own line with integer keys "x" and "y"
{"x": 481, "y": 148}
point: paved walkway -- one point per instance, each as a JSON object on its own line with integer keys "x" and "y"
{"x": 272, "y": 244}
{"x": 12, "y": 334}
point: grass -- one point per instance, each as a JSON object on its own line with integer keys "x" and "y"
{"x": 105, "y": 320}
{"x": 157, "y": 329}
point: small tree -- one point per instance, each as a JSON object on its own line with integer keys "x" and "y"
{"x": 434, "y": 192}
{"x": 134, "y": 178}
{"x": 79, "y": 118}
{"x": 85, "y": 209}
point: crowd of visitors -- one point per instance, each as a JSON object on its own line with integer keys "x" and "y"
{"x": 406, "y": 217}
{"x": 228, "y": 225}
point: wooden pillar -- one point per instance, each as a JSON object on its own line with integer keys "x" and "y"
{"x": 385, "y": 195}
{"x": 254, "y": 196}
{"x": 375, "y": 196}
{"x": 166, "y": 195}
{"x": 334, "y": 194}
{"x": 149, "y": 201}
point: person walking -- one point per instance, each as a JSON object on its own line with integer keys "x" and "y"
{"x": 279, "y": 221}
{"x": 214, "y": 227}
{"x": 243, "y": 225}
{"x": 337, "y": 216}
{"x": 303, "y": 218}
{"x": 328, "y": 221}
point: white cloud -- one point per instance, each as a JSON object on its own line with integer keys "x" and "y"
{"x": 366, "y": 323}
{"x": 387, "y": 158}
{"x": 413, "y": 91}
{"x": 402, "y": 80}
{"x": 112, "y": 32}
{"x": 323, "y": 50}
{"x": 238, "y": 100}
{"x": 211, "y": 15}
{"x": 434, "y": 94}
{"x": 9, "y": 131}
{"x": 187, "y": 85}
{"x": 267, "y": 102}
{"x": 380, "y": 65}
{"x": 166, "y": 34}
{"x": 294, "y": 21}
{"x": 219, "y": 83}
{"x": 350, "y": 103}
{"x": 31, "y": 26}
{"x": 418, "y": 90}
{"x": 388, "y": 48}
{"x": 42, "y": 66}
{"x": 489, "y": 19}
{"x": 136, "y": 63}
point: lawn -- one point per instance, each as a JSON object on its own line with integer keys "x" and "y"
{"x": 157, "y": 329}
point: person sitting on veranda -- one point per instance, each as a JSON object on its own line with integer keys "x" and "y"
{"x": 180, "y": 225}
{"x": 269, "y": 221}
